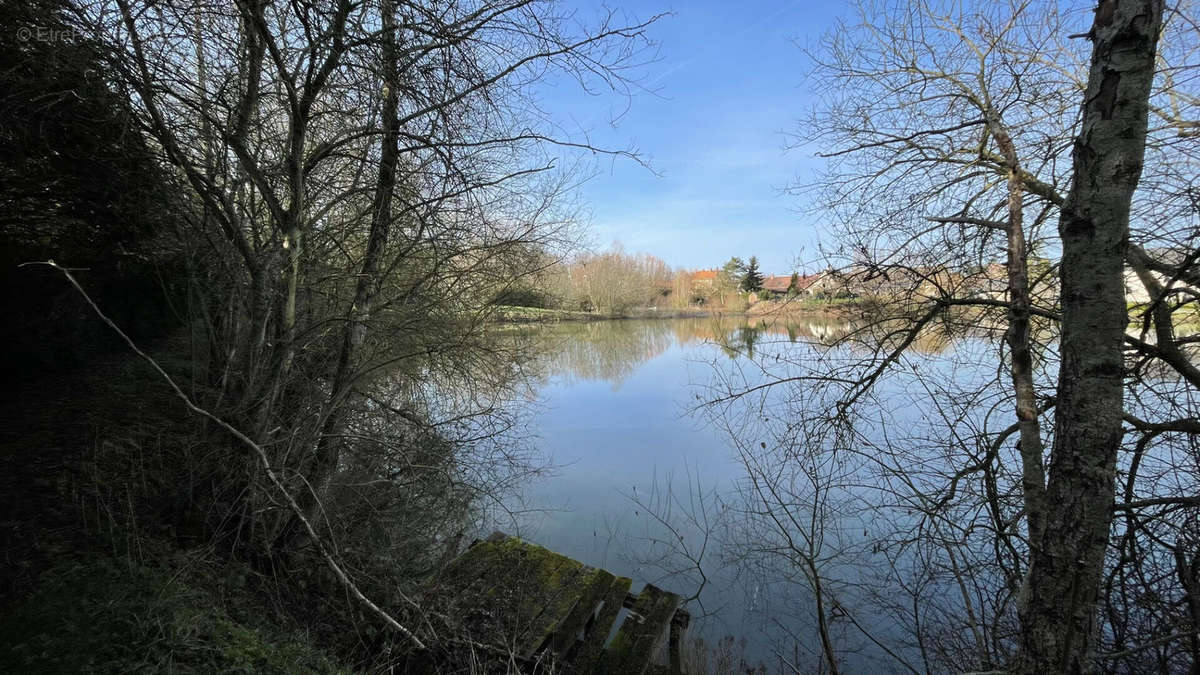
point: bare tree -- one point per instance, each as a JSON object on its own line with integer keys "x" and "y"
{"x": 947, "y": 129}
{"x": 614, "y": 282}
{"x": 360, "y": 180}
{"x": 1058, "y": 611}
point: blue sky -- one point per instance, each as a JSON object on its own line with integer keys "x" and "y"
{"x": 728, "y": 86}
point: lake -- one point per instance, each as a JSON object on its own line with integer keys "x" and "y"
{"x": 643, "y": 473}
{"x": 662, "y": 440}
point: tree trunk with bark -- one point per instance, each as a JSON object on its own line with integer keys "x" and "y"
{"x": 1033, "y": 473}
{"x": 1058, "y": 607}
{"x": 328, "y": 449}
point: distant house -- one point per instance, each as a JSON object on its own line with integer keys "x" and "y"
{"x": 702, "y": 279}
{"x": 1135, "y": 290}
{"x": 826, "y": 284}
{"x": 777, "y": 285}
{"x": 904, "y": 281}
{"x": 829, "y": 284}
{"x": 991, "y": 282}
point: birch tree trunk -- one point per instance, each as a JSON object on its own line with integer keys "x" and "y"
{"x": 1058, "y": 607}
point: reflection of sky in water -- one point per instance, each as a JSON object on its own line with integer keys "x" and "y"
{"x": 613, "y": 438}
{"x": 613, "y": 416}
{"x": 614, "y": 419}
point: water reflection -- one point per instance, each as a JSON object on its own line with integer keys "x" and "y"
{"x": 614, "y": 399}
{"x": 605, "y": 350}
{"x": 612, "y": 350}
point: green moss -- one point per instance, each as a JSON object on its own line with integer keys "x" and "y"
{"x": 514, "y": 592}
{"x": 108, "y": 615}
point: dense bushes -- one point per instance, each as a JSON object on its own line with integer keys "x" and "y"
{"x": 117, "y": 474}
{"x": 78, "y": 185}
{"x": 334, "y": 315}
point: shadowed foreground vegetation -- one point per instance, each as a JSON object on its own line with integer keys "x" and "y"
{"x": 301, "y": 213}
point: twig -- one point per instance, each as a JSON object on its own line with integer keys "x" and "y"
{"x": 1149, "y": 645}
{"x": 262, "y": 457}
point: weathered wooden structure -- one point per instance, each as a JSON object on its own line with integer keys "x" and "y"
{"x": 535, "y": 605}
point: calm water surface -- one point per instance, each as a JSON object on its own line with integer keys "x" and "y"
{"x": 644, "y": 472}
{"x": 617, "y": 416}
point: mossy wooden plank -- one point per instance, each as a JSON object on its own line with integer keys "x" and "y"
{"x": 458, "y": 587}
{"x": 596, "y": 634}
{"x": 550, "y": 586}
{"x": 679, "y": 624}
{"x": 523, "y": 598}
{"x": 514, "y": 593}
{"x": 471, "y": 565}
{"x": 475, "y": 589}
{"x": 641, "y": 632}
{"x": 597, "y": 583}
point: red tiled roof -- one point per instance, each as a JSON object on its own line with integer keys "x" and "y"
{"x": 779, "y": 284}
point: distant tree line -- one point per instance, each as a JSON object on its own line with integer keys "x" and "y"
{"x": 614, "y": 282}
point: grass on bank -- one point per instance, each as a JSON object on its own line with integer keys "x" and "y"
{"x": 118, "y": 615}
{"x": 97, "y": 575}
{"x": 520, "y": 314}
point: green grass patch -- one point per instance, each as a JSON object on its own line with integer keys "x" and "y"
{"x": 112, "y": 615}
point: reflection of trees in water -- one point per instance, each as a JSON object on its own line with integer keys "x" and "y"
{"x": 602, "y": 350}
{"x": 863, "y": 497}
{"x": 612, "y": 350}
{"x": 741, "y": 331}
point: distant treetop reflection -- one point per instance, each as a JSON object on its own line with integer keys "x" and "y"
{"x": 612, "y": 350}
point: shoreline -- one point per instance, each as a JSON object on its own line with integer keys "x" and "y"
{"x": 512, "y": 314}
